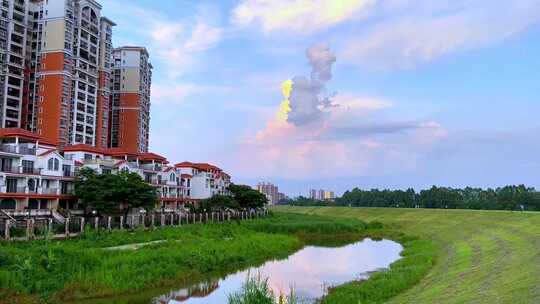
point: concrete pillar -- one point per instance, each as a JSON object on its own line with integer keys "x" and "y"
{"x": 7, "y": 227}
{"x": 162, "y": 222}
{"x": 172, "y": 219}
{"x": 132, "y": 223}
{"x": 180, "y": 219}
{"x": 109, "y": 223}
{"x": 81, "y": 225}
{"x": 143, "y": 220}
{"x": 206, "y": 217}
{"x": 121, "y": 222}
{"x": 200, "y": 218}
{"x": 67, "y": 227}
{"x": 152, "y": 218}
{"x": 29, "y": 229}
{"x": 49, "y": 226}
{"x": 96, "y": 223}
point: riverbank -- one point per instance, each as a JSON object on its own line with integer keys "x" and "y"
{"x": 57, "y": 271}
{"x": 479, "y": 256}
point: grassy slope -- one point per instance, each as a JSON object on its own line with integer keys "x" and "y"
{"x": 482, "y": 256}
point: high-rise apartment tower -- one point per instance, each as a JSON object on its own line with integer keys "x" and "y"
{"x": 132, "y": 78}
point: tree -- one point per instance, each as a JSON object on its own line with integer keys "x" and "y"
{"x": 112, "y": 193}
{"x": 217, "y": 202}
{"x": 247, "y": 197}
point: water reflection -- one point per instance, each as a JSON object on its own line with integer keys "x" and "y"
{"x": 309, "y": 271}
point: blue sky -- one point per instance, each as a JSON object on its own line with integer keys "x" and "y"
{"x": 426, "y": 92}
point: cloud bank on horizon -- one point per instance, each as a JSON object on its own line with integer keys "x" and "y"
{"x": 396, "y": 92}
{"x": 313, "y": 132}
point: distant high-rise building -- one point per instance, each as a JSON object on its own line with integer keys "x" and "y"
{"x": 320, "y": 194}
{"x": 271, "y": 191}
{"x": 132, "y": 78}
{"x": 312, "y": 194}
{"x": 329, "y": 195}
{"x": 281, "y": 196}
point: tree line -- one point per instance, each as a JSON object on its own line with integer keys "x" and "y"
{"x": 510, "y": 197}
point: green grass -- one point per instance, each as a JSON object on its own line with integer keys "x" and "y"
{"x": 80, "y": 268}
{"x": 478, "y": 256}
{"x": 255, "y": 290}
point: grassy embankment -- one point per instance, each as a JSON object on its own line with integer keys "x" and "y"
{"x": 480, "y": 256}
{"x": 80, "y": 268}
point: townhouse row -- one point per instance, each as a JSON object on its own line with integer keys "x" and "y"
{"x": 36, "y": 175}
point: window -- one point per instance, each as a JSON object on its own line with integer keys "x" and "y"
{"x": 172, "y": 177}
{"x": 28, "y": 166}
{"x": 88, "y": 156}
{"x": 53, "y": 164}
{"x": 67, "y": 170}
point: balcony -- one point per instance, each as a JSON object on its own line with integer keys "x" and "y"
{"x": 12, "y": 189}
{"x": 28, "y": 212}
{"x": 21, "y": 170}
{"x": 49, "y": 191}
{"x": 66, "y": 191}
{"x": 11, "y": 148}
{"x": 151, "y": 167}
{"x": 8, "y": 169}
{"x": 66, "y": 173}
{"x": 33, "y": 171}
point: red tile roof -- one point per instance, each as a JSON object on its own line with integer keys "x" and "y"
{"x": 114, "y": 152}
{"x": 47, "y": 152}
{"x": 119, "y": 152}
{"x": 13, "y": 132}
{"x": 186, "y": 176}
{"x": 83, "y": 148}
{"x": 152, "y": 156}
{"x": 199, "y": 166}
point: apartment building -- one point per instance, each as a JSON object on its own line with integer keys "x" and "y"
{"x": 104, "y": 83}
{"x": 329, "y": 195}
{"x": 205, "y": 180}
{"x": 13, "y": 42}
{"x": 66, "y": 76}
{"x": 271, "y": 192}
{"x": 153, "y": 168}
{"x": 33, "y": 174}
{"x": 130, "y": 119}
{"x": 36, "y": 175}
{"x": 69, "y": 100}
{"x": 56, "y": 76}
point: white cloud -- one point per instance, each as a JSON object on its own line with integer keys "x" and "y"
{"x": 203, "y": 37}
{"x": 177, "y": 93}
{"x": 410, "y": 33}
{"x": 301, "y": 16}
{"x": 176, "y": 44}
